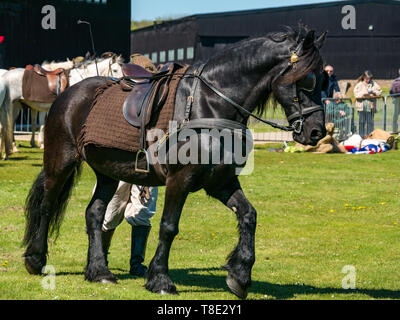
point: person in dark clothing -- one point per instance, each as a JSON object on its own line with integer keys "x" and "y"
{"x": 336, "y": 110}
{"x": 333, "y": 85}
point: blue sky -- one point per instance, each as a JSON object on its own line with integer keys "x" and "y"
{"x": 153, "y": 9}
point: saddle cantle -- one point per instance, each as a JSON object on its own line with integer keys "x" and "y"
{"x": 148, "y": 93}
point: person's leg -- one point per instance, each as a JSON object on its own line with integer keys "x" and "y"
{"x": 138, "y": 215}
{"x": 370, "y": 122}
{"x": 114, "y": 214}
{"x": 361, "y": 123}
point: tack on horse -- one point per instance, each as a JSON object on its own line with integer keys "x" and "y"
{"x": 229, "y": 87}
{"x": 109, "y": 65}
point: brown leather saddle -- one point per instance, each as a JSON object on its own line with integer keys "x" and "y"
{"x": 148, "y": 91}
{"x": 57, "y": 80}
{"x": 148, "y": 94}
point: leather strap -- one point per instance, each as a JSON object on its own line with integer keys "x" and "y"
{"x": 239, "y": 107}
{"x": 190, "y": 99}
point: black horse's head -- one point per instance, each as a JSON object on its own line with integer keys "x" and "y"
{"x": 296, "y": 83}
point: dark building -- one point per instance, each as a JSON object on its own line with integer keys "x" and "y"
{"x": 27, "y": 42}
{"x": 365, "y": 35}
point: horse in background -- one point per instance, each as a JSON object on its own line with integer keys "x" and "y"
{"x": 109, "y": 65}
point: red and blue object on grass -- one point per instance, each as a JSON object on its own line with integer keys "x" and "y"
{"x": 371, "y": 149}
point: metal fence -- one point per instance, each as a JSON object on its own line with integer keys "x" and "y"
{"x": 360, "y": 116}
{"x": 23, "y": 123}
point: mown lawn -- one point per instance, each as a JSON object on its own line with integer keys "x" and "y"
{"x": 316, "y": 214}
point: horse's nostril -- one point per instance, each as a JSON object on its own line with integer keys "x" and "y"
{"x": 316, "y": 135}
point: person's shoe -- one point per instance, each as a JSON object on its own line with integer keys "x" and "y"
{"x": 106, "y": 237}
{"x": 138, "y": 249}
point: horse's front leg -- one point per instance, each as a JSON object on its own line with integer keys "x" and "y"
{"x": 96, "y": 269}
{"x": 157, "y": 275}
{"x": 241, "y": 260}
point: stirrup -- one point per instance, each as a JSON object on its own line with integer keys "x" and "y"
{"x": 147, "y": 162}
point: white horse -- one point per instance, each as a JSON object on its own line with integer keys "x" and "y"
{"x": 13, "y": 101}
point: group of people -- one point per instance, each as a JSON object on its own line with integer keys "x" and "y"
{"x": 366, "y": 93}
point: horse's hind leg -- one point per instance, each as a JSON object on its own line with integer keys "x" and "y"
{"x": 242, "y": 258}
{"x": 175, "y": 196}
{"x": 96, "y": 269}
{"x": 44, "y": 209}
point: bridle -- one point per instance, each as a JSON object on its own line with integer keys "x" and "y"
{"x": 306, "y": 84}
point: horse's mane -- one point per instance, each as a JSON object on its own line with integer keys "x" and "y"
{"x": 53, "y": 65}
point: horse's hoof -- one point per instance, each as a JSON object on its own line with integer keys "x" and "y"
{"x": 236, "y": 288}
{"x": 161, "y": 284}
{"x": 101, "y": 276}
{"x": 108, "y": 281}
{"x": 34, "y": 265}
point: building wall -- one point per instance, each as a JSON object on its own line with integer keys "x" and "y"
{"x": 26, "y": 42}
{"x": 176, "y": 42}
{"x": 350, "y": 51}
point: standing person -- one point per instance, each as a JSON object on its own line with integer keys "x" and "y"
{"x": 364, "y": 89}
{"x": 395, "y": 89}
{"x": 137, "y": 204}
{"x": 333, "y": 85}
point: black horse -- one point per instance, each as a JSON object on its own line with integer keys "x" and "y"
{"x": 245, "y": 74}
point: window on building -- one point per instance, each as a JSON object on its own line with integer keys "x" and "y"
{"x": 147, "y": 55}
{"x": 162, "y": 56}
{"x": 171, "y": 55}
{"x": 181, "y": 54}
{"x": 154, "y": 57}
{"x": 189, "y": 53}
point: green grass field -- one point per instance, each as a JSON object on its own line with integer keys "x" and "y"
{"x": 316, "y": 214}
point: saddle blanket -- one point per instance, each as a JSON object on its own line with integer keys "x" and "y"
{"x": 106, "y": 126}
{"x": 35, "y": 87}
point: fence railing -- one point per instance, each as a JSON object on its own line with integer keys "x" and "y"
{"x": 392, "y": 110}
{"x": 360, "y": 116}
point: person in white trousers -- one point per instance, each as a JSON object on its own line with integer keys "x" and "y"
{"x": 137, "y": 205}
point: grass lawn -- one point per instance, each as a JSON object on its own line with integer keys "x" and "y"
{"x": 316, "y": 214}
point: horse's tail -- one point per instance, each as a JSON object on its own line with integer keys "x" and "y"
{"x": 34, "y": 202}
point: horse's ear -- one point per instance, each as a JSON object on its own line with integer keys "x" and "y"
{"x": 309, "y": 39}
{"x": 320, "y": 41}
